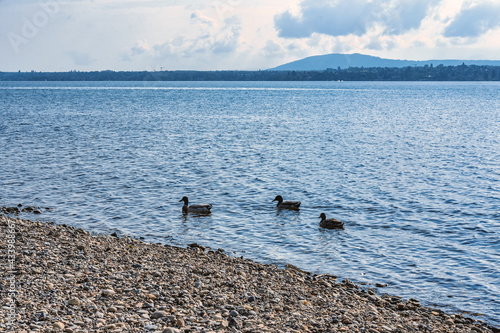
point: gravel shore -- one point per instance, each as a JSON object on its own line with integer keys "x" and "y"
{"x": 56, "y": 278}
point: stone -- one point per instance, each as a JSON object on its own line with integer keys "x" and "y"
{"x": 58, "y": 325}
{"x": 235, "y": 323}
{"x": 171, "y": 330}
{"x": 108, "y": 292}
{"x": 180, "y": 322}
{"x": 74, "y": 301}
{"x": 159, "y": 314}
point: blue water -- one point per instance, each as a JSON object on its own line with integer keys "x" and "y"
{"x": 413, "y": 169}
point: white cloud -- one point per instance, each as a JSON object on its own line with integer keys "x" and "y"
{"x": 184, "y": 51}
{"x": 401, "y": 16}
{"x": 475, "y": 21}
{"x": 198, "y": 17}
{"x": 272, "y": 49}
{"x": 227, "y": 40}
{"x": 140, "y": 48}
{"x": 356, "y": 17}
{"x": 338, "y": 18}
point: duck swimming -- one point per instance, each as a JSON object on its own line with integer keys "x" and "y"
{"x": 286, "y": 204}
{"x": 330, "y": 223}
{"x": 198, "y": 209}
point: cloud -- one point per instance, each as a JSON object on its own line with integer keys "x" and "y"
{"x": 401, "y": 16}
{"x": 228, "y": 39}
{"x": 214, "y": 40}
{"x": 342, "y": 18}
{"x": 375, "y": 44}
{"x": 272, "y": 49}
{"x": 81, "y": 58}
{"x": 339, "y": 18}
{"x": 198, "y": 17}
{"x": 140, "y": 48}
{"x": 475, "y": 21}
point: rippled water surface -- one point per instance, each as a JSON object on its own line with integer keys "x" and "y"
{"x": 413, "y": 169}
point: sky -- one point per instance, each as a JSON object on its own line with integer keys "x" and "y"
{"x": 153, "y": 35}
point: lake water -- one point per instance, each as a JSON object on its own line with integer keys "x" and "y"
{"x": 413, "y": 170}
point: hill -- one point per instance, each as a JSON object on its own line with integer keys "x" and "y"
{"x": 336, "y": 60}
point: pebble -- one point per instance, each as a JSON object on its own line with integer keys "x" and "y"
{"x": 108, "y": 292}
{"x": 159, "y": 314}
{"x": 58, "y": 325}
{"x": 121, "y": 284}
{"x": 180, "y": 322}
{"x": 74, "y": 301}
{"x": 171, "y": 330}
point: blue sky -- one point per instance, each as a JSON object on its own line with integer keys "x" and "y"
{"x": 62, "y": 35}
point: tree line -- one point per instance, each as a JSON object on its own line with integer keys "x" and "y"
{"x": 420, "y": 73}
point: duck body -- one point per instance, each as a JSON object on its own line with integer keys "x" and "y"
{"x": 294, "y": 205}
{"x": 330, "y": 223}
{"x": 197, "y": 209}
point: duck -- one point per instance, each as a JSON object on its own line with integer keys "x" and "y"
{"x": 286, "y": 204}
{"x": 198, "y": 209}
{"x": 330, "y": 223}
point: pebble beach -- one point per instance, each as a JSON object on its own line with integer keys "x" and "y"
{"x": 56, "y": 278}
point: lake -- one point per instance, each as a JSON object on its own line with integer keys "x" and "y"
{"x": 412, "y": 169}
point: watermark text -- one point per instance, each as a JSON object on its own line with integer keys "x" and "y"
{"x": 31, "y": 25}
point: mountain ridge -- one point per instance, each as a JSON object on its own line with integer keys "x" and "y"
{"x": 336, "y": 60}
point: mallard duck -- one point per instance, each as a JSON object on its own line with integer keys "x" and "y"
{"x": 198, "y": 209}
{"x": 286, "y": 204}
{"x": 330, "y": 223}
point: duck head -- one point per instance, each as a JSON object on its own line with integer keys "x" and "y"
{"x": 279, "y": 199}
{"x": 185, "y": 199}
{"x": 322, "y": 216}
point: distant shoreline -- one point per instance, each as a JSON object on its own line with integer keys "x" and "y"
{"x": 410, "y": 73}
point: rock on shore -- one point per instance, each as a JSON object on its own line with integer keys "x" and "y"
{"x": 70, "y": 281}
